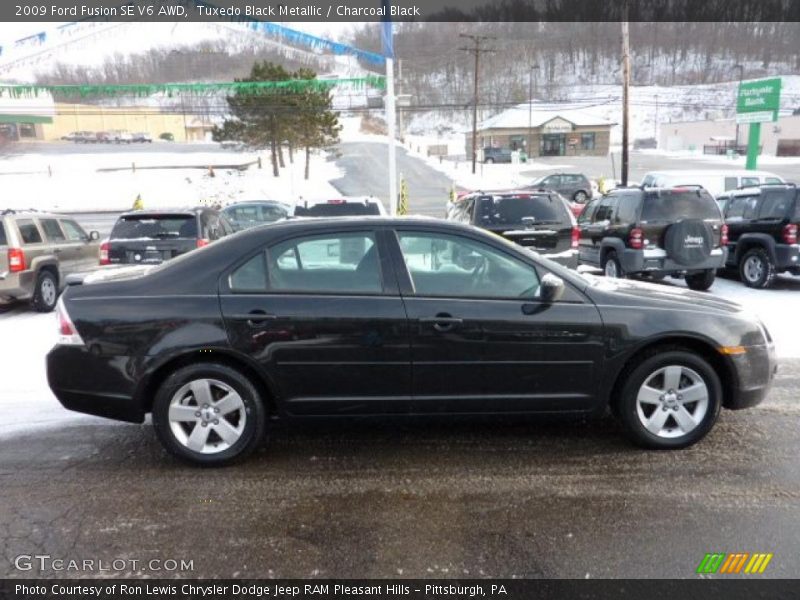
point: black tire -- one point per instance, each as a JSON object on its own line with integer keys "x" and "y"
{"x": 580, "y": 197}
{"x": 253, "y": 431}
{"x": 45, "y": 296}
{"x": 756, "y": 269}
{"x": 611, "y": 262}
{"x": 628, "y": 405}
{"x": 701, "y": 281}
{"x": 489, "y": 161}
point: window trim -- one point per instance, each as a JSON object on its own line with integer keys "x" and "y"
{"x": 63, "y": 240}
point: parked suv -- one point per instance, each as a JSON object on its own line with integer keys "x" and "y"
{"x": 153, "y": 236}
{"x": 656, "y": 232}
{"x": 37, "y": 252}
{"x": 541, "y": 221}
{"x": 762, "y": 232}
{"x": 573, "y": 186}
{"x": 496, "y": 155}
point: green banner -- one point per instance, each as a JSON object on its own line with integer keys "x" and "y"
{"x": 760, "y": 99}
{"x": 170, "y": 89}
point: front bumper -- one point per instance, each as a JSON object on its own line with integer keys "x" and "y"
{"x": 17, "y": 286}
{"x": 656, "y": 260}
{"x": 88, "y": 382}
{"x": 755, "y": 371}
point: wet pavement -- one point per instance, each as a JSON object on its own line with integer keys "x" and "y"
{"x": 422, "y": 499}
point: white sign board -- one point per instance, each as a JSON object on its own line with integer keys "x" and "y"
{"x": 763, "y": 116}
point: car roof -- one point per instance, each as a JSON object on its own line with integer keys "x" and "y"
{"x": 167, "y": 211}
{"x": 28, "y": 213}
{"x": 752, "y": 190}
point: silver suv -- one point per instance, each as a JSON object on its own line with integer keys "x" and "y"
{"x": 37, "y": 252}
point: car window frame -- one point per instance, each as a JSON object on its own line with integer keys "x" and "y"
{"x": 84, "y": 237}
{"x": 35, "y": 223}
{"x": 51, "y": 240}
{"x": 385, "y": 268}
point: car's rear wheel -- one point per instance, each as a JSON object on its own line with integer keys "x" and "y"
{"x": 45, "y": 295}
{"x": 579, "y": 197}
{"x": 612, "y": 267}
{"x": 209, "y": 414}
{"x": 489, "y": 161}
{"x": 756, "y": 269}
{"x": 701, "y": 281}
{"x": 670, "y": 400}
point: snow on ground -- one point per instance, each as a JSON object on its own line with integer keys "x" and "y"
{"x": 29, "y": 183}
{"x": 736, "y": 162}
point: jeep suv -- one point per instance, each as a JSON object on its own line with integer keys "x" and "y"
{"x": 496, "y": 155}
{"x": 541, "y": 221}
{"x": 37, "y": 252}
{"x": 655, "y": 232}
{"x": 762, "y": 232}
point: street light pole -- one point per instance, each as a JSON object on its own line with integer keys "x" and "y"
{"x": 735, "y": 101}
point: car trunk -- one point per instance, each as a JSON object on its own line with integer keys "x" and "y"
{"x": 151, "y": 238}
{"x": 670, "y": 206}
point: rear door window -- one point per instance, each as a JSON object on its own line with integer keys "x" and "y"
{"x": 52, "y": 230}
{"x": 627, "y": 209}
{"x": 517, "y": 210}
{"x": 775, "y": 204}
{"x": 606, "y": 209}
{"x": 29, "y": 232}
{"x": 159, "y": 226}
{"x": 679, "y": 203}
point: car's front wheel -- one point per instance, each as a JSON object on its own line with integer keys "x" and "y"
{"x": 580, "y": 197}
{"x": 701, "y": 281}
{"x": 670, "y": 400}
{"x": 209, "y": 414}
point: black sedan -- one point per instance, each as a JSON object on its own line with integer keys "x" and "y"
{"x": 379, "y": 316}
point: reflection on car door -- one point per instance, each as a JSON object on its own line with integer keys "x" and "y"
{"x": 481, "y": 342}
{"x": 86, "y": 251}
{"x": 322, "y": 316}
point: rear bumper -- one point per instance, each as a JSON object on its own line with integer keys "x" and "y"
{"x": 755, "y": 372}
{"x": 787, "y": 256}
{"x": 567, "y": 259}
{"x": 656, "y": 260}
{"x": 86, "y": 382}
{"x": 17, "y": 286}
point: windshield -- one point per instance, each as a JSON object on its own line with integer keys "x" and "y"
{"x": 511, "y": 210}
{"x": 341, "y": 209}
{"x": 155, "y": 227}
{"x": 253, "y": 214}
{"x": 667, "y": 205}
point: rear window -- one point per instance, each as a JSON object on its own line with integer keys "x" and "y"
{"x": 669, "y": 205}
{"x": 341, "y": 209}
{"x": 511, "y": 210}
{"x": 775, "y": 204}
{"x": 29, "y": 232}
{"x": 155, "y": 227}
{"x": 3, "y": 239}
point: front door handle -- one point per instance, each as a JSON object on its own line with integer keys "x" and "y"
{"x": 254, "y": 317}
{"x": 442, "y": 322}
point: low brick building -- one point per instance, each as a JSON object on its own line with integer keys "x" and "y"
{"x": 552, "y": 132}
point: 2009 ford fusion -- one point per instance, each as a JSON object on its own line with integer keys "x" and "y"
{"x": 393, "y": 317}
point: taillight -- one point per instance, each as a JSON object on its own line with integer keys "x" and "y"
{"x": 723, "y": 235}
{"x": 576, "y": 237}
{"x": 790, "y": 233}
{"x": 67, "y": 334}
{"x": 105, "y": 249}
{"x": 16, "y": 260}
{"x": 202, "y": 242}
{"x": 636, "y": 239}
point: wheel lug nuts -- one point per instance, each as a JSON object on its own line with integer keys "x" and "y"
{"x": 216, "y": 410}
{"x": 216, "y": 421}
{"x": 197, "y": 414}
{"x": 204, "y": 424}
{"x": 205, "y": 405}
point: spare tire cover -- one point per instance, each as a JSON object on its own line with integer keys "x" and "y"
{"x": 688, "y": 242}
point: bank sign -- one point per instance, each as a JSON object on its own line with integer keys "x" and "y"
{"x": 758, "y": 101}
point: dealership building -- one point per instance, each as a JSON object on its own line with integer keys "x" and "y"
{"x": 564, "y": 131}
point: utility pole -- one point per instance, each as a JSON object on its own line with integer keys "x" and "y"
{"x": 626, "y": 81}
{"x": 655, "y": 124}
{"x": 528, "y": 149}
{"x": 476, "y": 49}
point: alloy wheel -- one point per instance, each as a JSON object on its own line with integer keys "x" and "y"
{"x": 753, "y": 268}
{"x": 48, "y": 291}
{"x": 611, "y": 269}
{"x": 672, "y": 401}
{"x": 207, "y": 416}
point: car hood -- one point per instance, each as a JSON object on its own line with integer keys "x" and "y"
{"x": 638, "y": 293}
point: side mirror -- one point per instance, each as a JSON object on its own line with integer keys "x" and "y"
{"x": 94, "y": 236}
{"x": 551, "y": 288}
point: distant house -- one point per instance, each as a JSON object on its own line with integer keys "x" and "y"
{"x": 555, "y": 131}
{"x": 22, "y": 118}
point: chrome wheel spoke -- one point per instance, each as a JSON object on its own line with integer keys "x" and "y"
{"x": 229, "y": 403}
{"x": 226, "y": 431}
{"x": 694, "y": 393}
{"x": 182, "y": 413}
{"x": 197, "y": 439}
{"x": 684, "y": 420}
{"x": 672, "y": 378}
{"x": 201, "y": 389}
{"x": 649, "y": 395}
{"x": 656, "y": 421}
